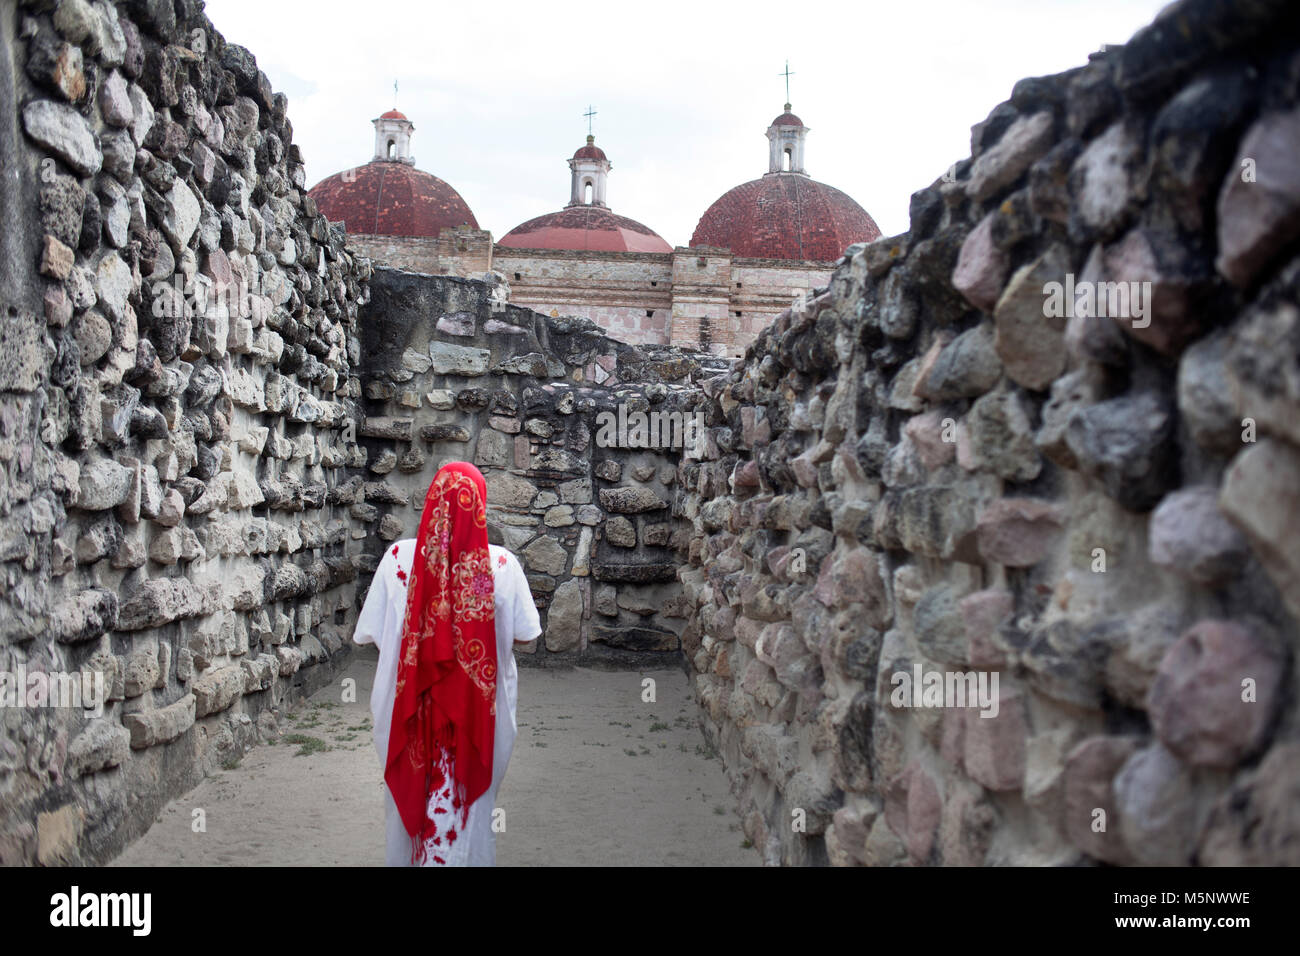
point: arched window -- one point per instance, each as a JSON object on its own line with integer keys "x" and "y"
{"x": 392, "y": 149}
{"x": 587, "y": 190}
{"x": 787, "y": 160}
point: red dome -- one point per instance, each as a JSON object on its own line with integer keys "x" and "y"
{"x": 391, "y": 199}
{"x": 590, "y": 152}
{"x": 584, "y": 227}
{"x": 785, "y": 216}
{"x": 786, "y": 119}
{"x": 393, "y": 114}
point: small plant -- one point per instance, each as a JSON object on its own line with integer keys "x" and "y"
{"x": 659, "y": 725}
{"x": 306, "y": 745}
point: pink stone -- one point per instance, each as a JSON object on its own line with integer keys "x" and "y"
{"x": 850, "y": 576}
{"x": 1172, "y": 307}
{"x": 912, "y": 810}
{"x": 981, "y": 613}
{"x": 755, "y": 431}
{"x": 995, "y": 746}
{"x": 805, "y": 472}
{"x": 747, "y": 631}
{"x": 1017, "y": 532}
{"x": 981, "y": 267}
{"x": 1089, "y": 772}
{"x": 926, "y": 432}
{"x": 745, "y": 475}
{"x": 1196, "y": 700}
{"x": 1257, "y": 219}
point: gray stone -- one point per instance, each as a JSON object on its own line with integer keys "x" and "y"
{"x": 100, "y": 746}
{"x": 1261, "y": 496}
{"x": 64, "y": 132}
{"x": 458, "y": 359}
{"x": 104, "y": 484}
{"x": 564, "y": 618}
{"x": 151, "y": 727}
{"x": 1189, "y": 535}
{"x": 965, "y": 367}
{"x": 1157, "y": 808}
{"x": 160, "y": 601}
{"x": 1127, "y": 443}
{"x": 1001, "y": 437}
{"x": 181, "y": 215}
{"x": 620, "y": 532}
{"x": 1021, "y": 145}
{"x": 630, "y": 500}
{"x": 545, "y": 555}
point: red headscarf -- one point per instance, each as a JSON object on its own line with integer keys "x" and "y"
{"x": 444, "y": 711}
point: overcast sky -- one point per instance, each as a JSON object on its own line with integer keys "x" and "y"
{"x": 683, "y": 90}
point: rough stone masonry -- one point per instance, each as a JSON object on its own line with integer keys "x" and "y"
{"x": 213, "y": 417}
{"x": 204, "y": 447}
{"x": 928, "y": 468}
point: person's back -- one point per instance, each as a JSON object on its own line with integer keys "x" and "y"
{"x": 381, "y": 622}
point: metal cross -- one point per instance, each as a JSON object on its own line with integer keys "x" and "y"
{"x": 787, "y": 74}
{"x": 589, "y": 114}
{"x": 394, "y": 94}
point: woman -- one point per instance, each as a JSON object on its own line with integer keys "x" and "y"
{"x": 445, "y": 610}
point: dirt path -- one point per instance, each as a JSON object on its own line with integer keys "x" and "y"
{"x": 598, "y": 778}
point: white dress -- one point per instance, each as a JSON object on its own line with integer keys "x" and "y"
{"x": 380, "y": 623}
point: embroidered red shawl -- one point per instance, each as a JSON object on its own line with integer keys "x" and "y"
{"x": 444, "y": 711}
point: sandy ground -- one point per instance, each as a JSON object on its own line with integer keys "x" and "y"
{"x": 597, "y": 778}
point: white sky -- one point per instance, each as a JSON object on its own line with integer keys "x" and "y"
{"x": 683, "y": 90}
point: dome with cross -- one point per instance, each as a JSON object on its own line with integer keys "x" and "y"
{"x": 786, "y": 214}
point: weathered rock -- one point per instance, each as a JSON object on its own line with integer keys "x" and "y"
{"x": 1216, "y": 693}
{"x": 1189, "y": 535}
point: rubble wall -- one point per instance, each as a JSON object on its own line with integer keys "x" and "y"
{"x": 177, "y": 354}
{"x": 938, "y": 469}
{"x": 453, "y": 372}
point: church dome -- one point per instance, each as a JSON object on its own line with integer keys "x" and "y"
{"x": 586, "y": 222}
{"x": 388, "y": 196}
{"x": 786, "y": 214}
{"x": 584, "y": 227}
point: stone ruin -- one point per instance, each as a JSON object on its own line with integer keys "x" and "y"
{"x": 214, "y": 417}
{"x": 925, "y": 468}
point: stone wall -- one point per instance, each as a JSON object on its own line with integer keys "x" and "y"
{"x": 453, "y": 373}
{"x": 177, "y": 350}
{"x": 459, "y": 251}
{"x": 934, "y": 468}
